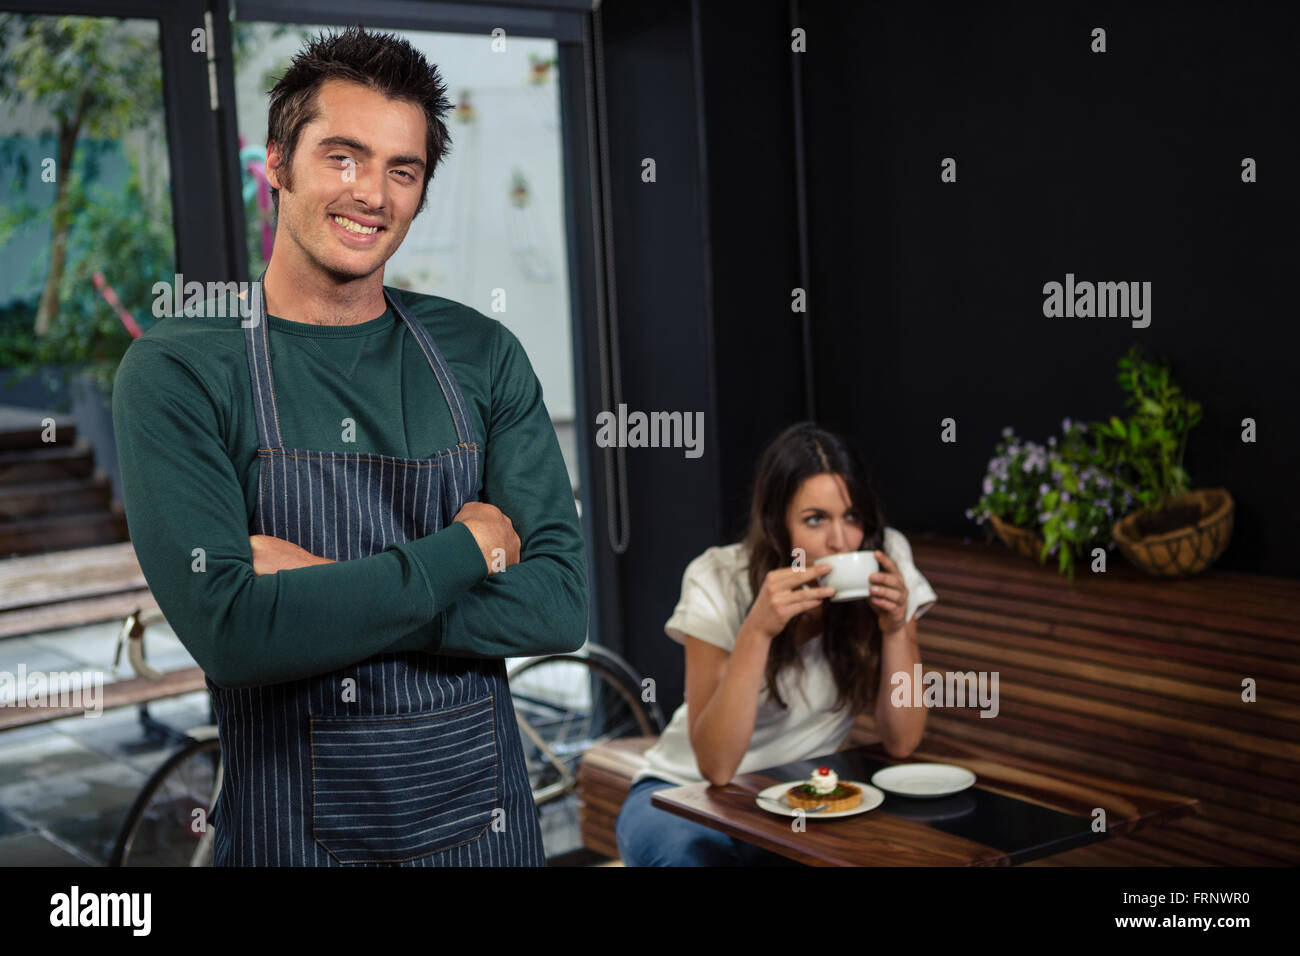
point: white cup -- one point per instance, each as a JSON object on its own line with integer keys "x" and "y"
{"x": 850, "y": 574}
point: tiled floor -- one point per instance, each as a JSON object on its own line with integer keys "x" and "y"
{"x": 66, "y": 785}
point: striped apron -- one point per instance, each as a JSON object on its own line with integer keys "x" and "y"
{"x": 403, "y": 759}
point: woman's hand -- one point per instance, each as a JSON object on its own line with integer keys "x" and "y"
{"x": 783, "y": 595}
{"x": 889, "y": 595}
{"x": 275, "y": 554}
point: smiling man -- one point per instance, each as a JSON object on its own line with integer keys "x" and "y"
{"x": 352, "y": 508}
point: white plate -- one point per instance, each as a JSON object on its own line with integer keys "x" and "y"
{"x": 773, "y": 799}
{"x": 924, "y": 780}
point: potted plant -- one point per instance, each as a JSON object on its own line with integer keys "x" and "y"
{"x": 1175, "y": 531}
{"x": 1078, "y": 506}
{"x": 1009, "y": 502}
{"x": 1050, "y": 500}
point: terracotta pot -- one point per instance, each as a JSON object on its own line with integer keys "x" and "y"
{"x": 1021, "y": 540}
{"x": 1183, "y": 551}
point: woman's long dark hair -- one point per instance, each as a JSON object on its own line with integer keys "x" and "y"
{"x": 850, "y": 634}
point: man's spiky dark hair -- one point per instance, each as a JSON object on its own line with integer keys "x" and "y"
{"x": 386, "y": 63}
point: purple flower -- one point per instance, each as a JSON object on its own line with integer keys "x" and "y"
{"x": 1043, "y": 488}
{"x": 1065, "y": 496}
{"x": 1006, "y": 432}
{"x": 988, "y": 485}
{"x": 1044, "y": 517}
{"x": 1070, "y": 524}
{"x": 1065, "y": 424}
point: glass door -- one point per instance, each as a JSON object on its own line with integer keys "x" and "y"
{"x": 93, "y": 141}
{"x": 509, "y": 225}
{"x": 493, "y": 233}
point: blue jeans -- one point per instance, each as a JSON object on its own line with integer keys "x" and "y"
{"x": 648, "y": 836}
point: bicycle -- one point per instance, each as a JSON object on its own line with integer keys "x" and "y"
{"x": 167, "y": 823}
{"x": 565, "y": 704}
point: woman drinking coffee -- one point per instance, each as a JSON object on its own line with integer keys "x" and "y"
{"x": 776, "y": 672}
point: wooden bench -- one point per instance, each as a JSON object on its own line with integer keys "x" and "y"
{"x": 122, "y": 693}
{"x": 1121, "y": 676}
{"x": 60, "y": 589}
{"x": 70, "y": 588}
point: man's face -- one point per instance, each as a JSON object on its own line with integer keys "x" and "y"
{"x": 360, "y": 163}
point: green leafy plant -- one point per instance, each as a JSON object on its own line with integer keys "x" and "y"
{"x": 96, "y": 79}
{"x": 1078, "y": 506}
{"x": 1011, "y": 484}
{"x": 1060, "y": 492}
{"x": 1145, "y": 451}
{"x": 121, "y": 234}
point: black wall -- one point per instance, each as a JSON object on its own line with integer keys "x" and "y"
{"x": 705, "y": 261}
{"x": 1117, "y": 166}
{"x": 925, "y": 298}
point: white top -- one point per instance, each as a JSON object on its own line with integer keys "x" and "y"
{"x": 715, "y": 599}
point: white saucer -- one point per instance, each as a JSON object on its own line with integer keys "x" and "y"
{"x": 924, "y": 780}
{"x": 852, "y": 594}
{"x": 772, "y": 799}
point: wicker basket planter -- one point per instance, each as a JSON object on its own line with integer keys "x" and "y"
{"x": 1020, "y": 540}
{"x": 1183, "y": 551}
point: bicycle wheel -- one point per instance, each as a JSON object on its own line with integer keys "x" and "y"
{"x": 162, "y": 827}
{"x": 566, "y": 704}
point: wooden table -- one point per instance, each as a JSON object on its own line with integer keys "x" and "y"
{"x": 1017, "y": 811}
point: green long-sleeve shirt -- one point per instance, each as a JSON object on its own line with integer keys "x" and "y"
{"x": 186, "y": 434}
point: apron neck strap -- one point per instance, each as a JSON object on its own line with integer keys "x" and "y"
{"x": 446, "y": 380}
{"x": 257, "y": 346}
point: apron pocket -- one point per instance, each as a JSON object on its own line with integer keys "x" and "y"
{"x": 386, "y": 789}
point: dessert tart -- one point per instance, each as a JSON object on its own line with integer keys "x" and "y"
{"x": 824, "y": 787}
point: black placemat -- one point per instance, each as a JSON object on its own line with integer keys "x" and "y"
{"x": 1024, "y": 831}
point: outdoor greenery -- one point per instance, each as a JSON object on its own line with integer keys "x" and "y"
{"x": 98, "y": 79}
